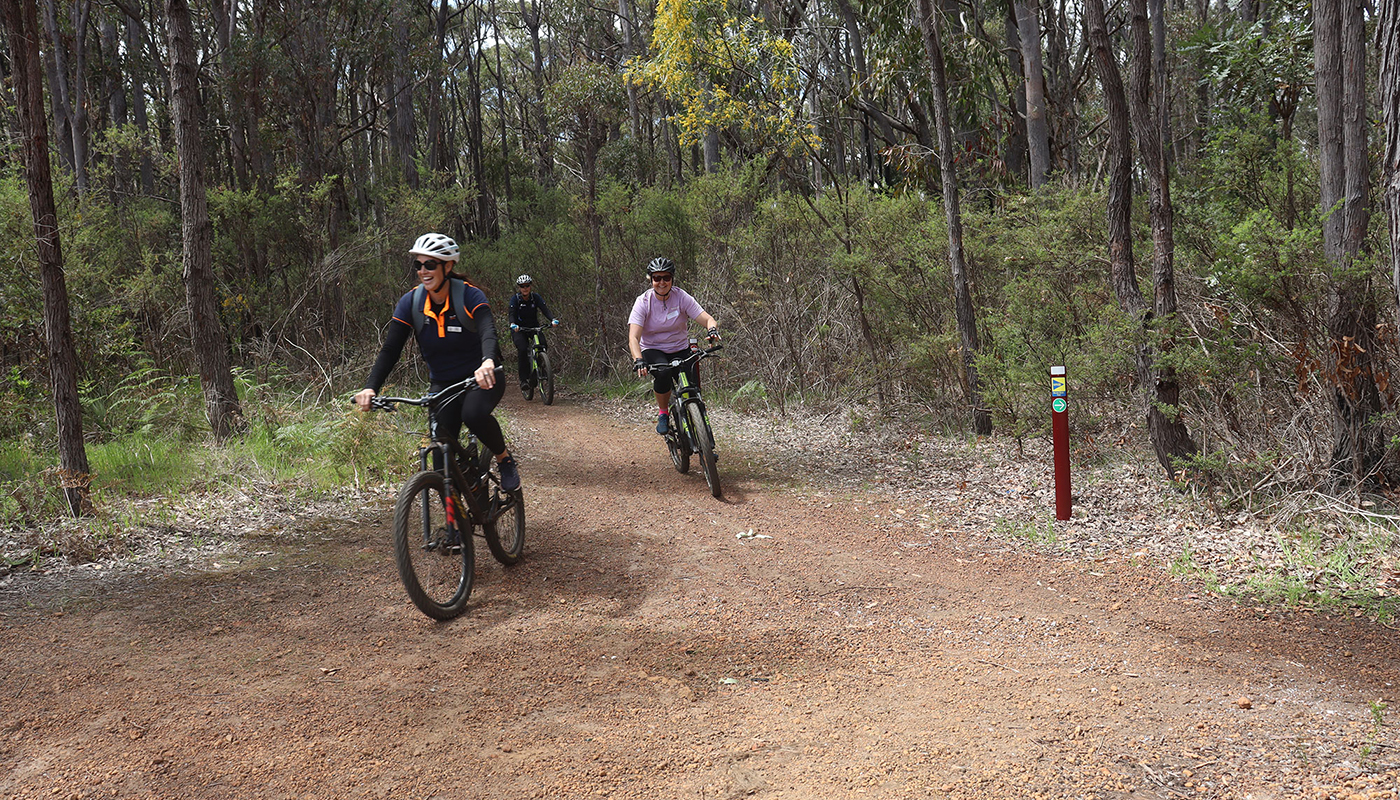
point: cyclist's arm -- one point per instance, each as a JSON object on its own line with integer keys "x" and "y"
{"x": 705, "y": 319}
{"x": 486, "y": 327}
{"x": 634, "y": 340}
{"x": 548, "y": 315}
{"x": 512, "y": 313}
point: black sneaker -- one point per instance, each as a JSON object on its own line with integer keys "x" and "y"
{"x": 452, "y": 543}
{"x": 510, "y": 474}
{"x": 663, "y": 424}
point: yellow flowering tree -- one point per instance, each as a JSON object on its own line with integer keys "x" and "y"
{"x": 725, "y": 71}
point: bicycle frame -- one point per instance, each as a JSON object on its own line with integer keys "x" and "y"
{"x": 685, "y": 393}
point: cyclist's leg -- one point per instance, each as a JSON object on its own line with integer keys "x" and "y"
{"x": 661, "y": 385}
{"x": 449, "y": 421}
{"x": 522, "y": 355}
{"x": 476, "y": 409}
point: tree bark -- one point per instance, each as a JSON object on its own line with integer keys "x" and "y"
{"x": 21, "y": 21}
{"x": 1037, "y": 127}
{"x": 1344, "y": 182}
{"x": 1123, "y": 271}
{"x": 1170, "y": 437}
{"x": 929, "y": 22}
{"x": 1388, "y": 34}
{"x": 207, "y": 334}
{"x": 530, "y": 15}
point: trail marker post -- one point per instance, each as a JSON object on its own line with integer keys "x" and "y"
{"x": 1059, "y": 425}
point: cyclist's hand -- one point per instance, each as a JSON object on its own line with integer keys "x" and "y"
{"x": 362, "y": 398}
{"x": 514, "y": 327}
{"x": 486, "y": 374}
{"x": 555, "y": 323}
{"x": 641, "y": 367}
{"x": 712, "y": 334}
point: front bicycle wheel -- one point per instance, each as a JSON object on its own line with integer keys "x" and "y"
{"x": 705, "y": 444}
{"x": 546, "y": 371}
{"x": 676, "y": 442}
{"x": 505, "y": 526}
{"x": 433, "y": 547}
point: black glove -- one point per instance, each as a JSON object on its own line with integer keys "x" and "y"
{"x": 639, "y": 364}
{"x": 713, "y": 334}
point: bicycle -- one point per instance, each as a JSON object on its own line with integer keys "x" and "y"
{"x": 541, "y": 370}
{"x": 690, "y": 431}
{"x": 434, "y": 520}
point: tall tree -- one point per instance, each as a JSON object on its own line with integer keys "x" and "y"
{"x": 1161, "y": 411}
{"x": 1388, "y": 34}
{"x": 207, "y": 333}
{"x": 1339, "y": 44}
{"x": 1037, "y": 127}
{"x": 930, "y": 22}
{"x": 21, "y": 21}
{"x": 1146, "y": 101}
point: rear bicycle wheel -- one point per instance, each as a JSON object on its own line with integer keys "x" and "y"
{"x": 505, "y": 527}
{"x": 705, "y": 443}
{"x": 436, "y": 560}
{"x": 546, "y": 372}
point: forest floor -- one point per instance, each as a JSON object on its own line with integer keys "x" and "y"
{"x": 832, "y": 628}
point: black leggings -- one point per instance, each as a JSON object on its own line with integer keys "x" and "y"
{"x": 473, "y": 409}
{"x": 522, "y": 353}
{"x": 661, "y": 384}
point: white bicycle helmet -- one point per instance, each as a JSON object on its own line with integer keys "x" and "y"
{"x": 435, "y": 245}
{"x": 524, "y": 280}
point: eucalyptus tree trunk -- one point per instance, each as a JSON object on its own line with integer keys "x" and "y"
{"x": 1014, "y": 148}
{"x": 402, "y": 132}
{"x": 1123, "y": 270}
{"x": 21, "y": 22}
{"x": 1388, "y": 36}
{"x": 60, "y": 98}
{"x": 207, "y": 333}
{"x": 135, "y": 47}
{"x": 1037, "y": 127}
{"x": 930, "y": 23}
{"x": 1146, "y": 102}
{"x": 531, "y": 16}
{"x": 1339, "y": 44}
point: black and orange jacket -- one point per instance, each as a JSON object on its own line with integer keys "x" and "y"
{"x": 453, "y": 339}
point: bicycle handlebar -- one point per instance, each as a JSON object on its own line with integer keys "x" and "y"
{"x": 540, "y": 329}
{"x": 677, "y": 364}
{"x": 380, "y": 403}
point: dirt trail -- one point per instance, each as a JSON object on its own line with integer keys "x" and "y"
{"x": 638, "y": 654}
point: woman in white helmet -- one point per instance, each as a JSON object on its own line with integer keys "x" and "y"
{"x": 456, "y": 334}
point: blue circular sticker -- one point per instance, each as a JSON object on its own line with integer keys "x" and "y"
{"x": 1058, "y": 404}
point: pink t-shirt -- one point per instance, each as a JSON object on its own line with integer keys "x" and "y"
{"x": 665, "y": 323}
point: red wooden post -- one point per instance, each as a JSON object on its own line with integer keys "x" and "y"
{"x": 1059, "y": 419}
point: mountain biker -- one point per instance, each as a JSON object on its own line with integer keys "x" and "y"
{"x": 524, "y": 305}
{"x": 658, "y": 331}
{"x": 455, "y": 343}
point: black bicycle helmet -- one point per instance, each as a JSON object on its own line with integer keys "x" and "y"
{"x": 661, "y": 264}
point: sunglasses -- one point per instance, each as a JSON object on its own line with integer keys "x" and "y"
{"x": 661, "y": 279}
{"x": 428, "y": 266}
{"x": 524, "y": 285}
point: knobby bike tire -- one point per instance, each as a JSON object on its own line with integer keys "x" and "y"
{"x": 437, "y": 576}
{"x": 676, "y": 442}
{"x": 705, "y": 444}
{"x": 505, "y": 531}
{"x": 546, "y": 370}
